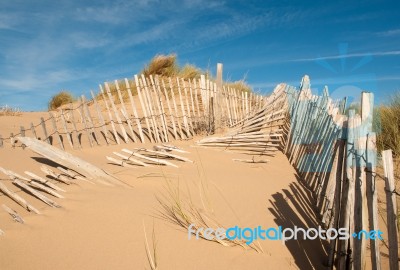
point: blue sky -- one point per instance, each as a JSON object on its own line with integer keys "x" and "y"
{"x": 46, "y": 46}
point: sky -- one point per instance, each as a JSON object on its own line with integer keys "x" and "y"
{"x": 47, "y": 46}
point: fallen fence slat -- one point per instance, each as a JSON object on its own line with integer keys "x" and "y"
{"x": 44, "y": 181}
{"x": 18, "y": 199}
{"x": 16, "y": 217}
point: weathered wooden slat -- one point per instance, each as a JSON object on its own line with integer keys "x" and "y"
{"x": 81, "y": 109}
{"x": 100, "y": 117}
{"x": 155, "y": 160}
{"x": 119, "y": 162}
{"x": 90, "y": 121}
{"x": 18, "y": 199}
{"x": 144, "y": 108}
{"x": 46, "y": 136}
{"x": 159, "y": 153}
{"x": 134, "y": 110}
{"x": 35, "y": 193}
{"x": 131, "y": 159}
{"x": 185, "y": 120}
{"x": 57, "y": 177}
{"x": 45, "y": 189}
{"x": 109, "y": 115}
{"x": 124, "y": 111}
{"x": 171, "y": 115}
{"x": 55, "y": 132}
{"x": 158, "y": 98}
{"x": 148, "y": 101}
{"x": 391, "y": 209}
{"x": 68, "y": 160}
{"x": 44, "y": 181}
{"x": 175, "y": 108}
{"x": 121, "y": 126}
{"x": 67, "y": 133}
{"x": 16, "y": 217}
{"x": 69, "y": 173}
{"x": 75, "y": 133}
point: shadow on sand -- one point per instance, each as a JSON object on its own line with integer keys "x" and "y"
{"x": 295, "y": 207}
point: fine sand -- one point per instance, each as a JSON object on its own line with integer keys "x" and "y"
{"x": 100, "y": 227}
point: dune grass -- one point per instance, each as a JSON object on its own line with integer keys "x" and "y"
{"x": 151, "y": 254}
{"x": 388, "y": 125}
{"x": 59, "y": 99}
{"x": 240, "y": 85}
{"x": 179, "y": 209}
{"x": 163, "y": 65}
{"x": 9, "y": 111}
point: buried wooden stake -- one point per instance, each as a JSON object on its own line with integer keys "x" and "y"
{"x": 155, "y": 160}
{"x": 36, "y": 194}
{"x": 18, "y": 199}
{"x": 44, "y": 181}
{"x": 13, "y": 214}
{"x": 58, "y": 177}
{"x": 131, "y": 159}
{"x": 70, "y": 174}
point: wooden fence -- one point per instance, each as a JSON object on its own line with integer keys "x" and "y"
{"x": 145, "y": 109}
{"x": 336, "y": 156}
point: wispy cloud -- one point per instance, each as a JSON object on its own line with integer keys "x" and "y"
{"x": 352, "y": 55}
{"x": 389, "y": 33}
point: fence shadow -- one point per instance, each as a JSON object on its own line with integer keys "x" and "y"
{"x": 295, "y": 207}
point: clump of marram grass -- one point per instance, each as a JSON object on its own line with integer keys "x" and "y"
{"x": 389, "y": 125}
{"x": 240, "y": 85}
{"x": 190, "y": 72}
{"x": 9, "y": 111}
{"x": 163, "y": 65}
{"x": 180, "y": 210}
{"x": 64, "y": 97}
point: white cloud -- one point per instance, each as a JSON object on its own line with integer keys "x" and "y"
{"x": 389, "y": 33}
{"x": 352, "y": 55}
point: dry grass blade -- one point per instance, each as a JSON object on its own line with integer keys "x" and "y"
{"x": 182, "y": 212}
{"x": 9, "y": 111}
{"x": 151, "y": 256}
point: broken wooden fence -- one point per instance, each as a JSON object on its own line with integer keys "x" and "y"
{"x": 145, "y": 109}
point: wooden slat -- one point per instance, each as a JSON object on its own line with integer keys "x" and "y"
{"x": 81, "y": 108}
{"x": 144, "y": 108}
{"x": 90, "y": 121}
{"x": 391, "y": 209}
{"x": 68, "y": 160}
{"x": 124, "y": 111}
{"x": 161, "y": 112}
{"x": 171, "y": 115}
{"x": 18, "y": 199}
{"x": 110, "y": 118}
{"x": 55, "y": 132}
{"x": 185, "y": 120}
{"x": 135, "y": 113}
{"x": 67, "y": 133}
{"x": 33, "y": 131}
{"x": 111, "y": 99}
{"x": 74, "y": 130}
{"x": 100, "y": 117}
{"x": 175, "y": 108}
{"x": 149, "y": 99}
{"x": 46, "y": 136}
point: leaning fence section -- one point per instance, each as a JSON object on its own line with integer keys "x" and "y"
{"x": 336, "y": 157}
